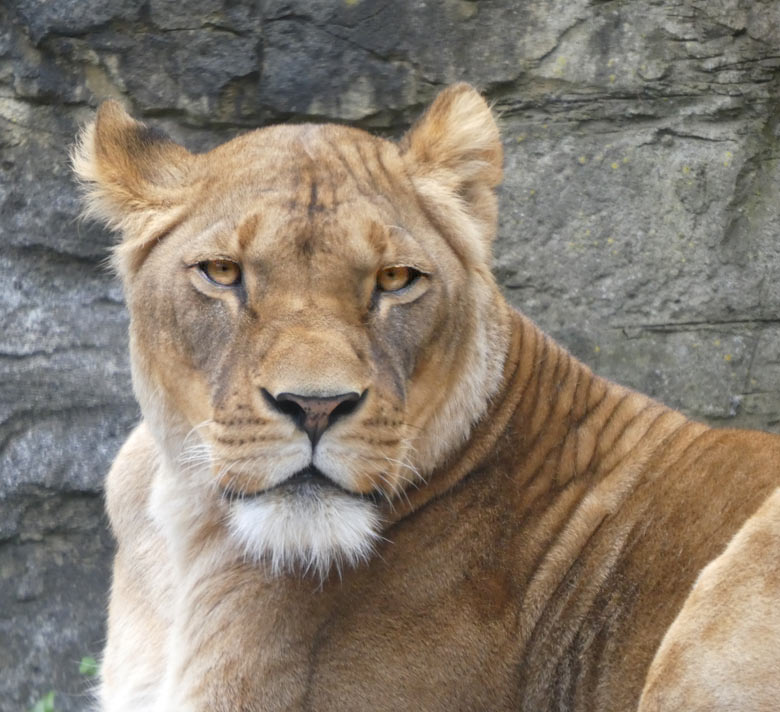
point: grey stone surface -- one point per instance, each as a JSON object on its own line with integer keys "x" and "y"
{"x": 639, "y": 219}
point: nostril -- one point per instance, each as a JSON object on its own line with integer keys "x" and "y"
{"x": 285, "y": 405}
{"x": 289, "y": 407}
{"x": 348, "y": 405}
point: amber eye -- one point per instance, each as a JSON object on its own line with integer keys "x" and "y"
{"x": 222, "y": 272}
{"x": 391, "y": 279}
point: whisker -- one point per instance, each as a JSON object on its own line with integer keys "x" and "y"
{"x": 409, "y": 466}
{"x": 413, "y": 427}
{"x": 383, "y": 477}
{"x": 196, "y": 428}
{"x": 384, "y": 493}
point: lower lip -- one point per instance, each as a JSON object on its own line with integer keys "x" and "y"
{"x": 309, "y": 476}
{"x": 308, "y": 480}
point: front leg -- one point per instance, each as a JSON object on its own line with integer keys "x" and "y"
{"x": 240, "y": 642}
{"x": 134, "y": 659}
{"x": 141, "y": 603}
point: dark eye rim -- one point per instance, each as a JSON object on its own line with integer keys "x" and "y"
{"x": 416, "y": 274}
{"x": 202, "y": 268}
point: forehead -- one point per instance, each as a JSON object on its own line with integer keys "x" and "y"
{"x": 306, "y": 189}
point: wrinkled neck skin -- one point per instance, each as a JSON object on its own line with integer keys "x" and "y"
{"x": 192, "y": 513}
{"x": 550, "y": 419}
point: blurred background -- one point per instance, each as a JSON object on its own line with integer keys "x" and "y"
{"x": 639, "y": 220}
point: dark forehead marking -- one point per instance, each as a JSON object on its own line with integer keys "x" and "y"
{"x": 377, "y": 238}
{"x": 325, "y": 176}
{"x": 306, "y": 234}
{"x": 366, "y": 164}
{"x": 247, "y": 230}
{"x": 305, "y": 241}
{"x": 314, "y": 205}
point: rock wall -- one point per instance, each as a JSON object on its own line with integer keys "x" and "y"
{"x": 639, "y": 219}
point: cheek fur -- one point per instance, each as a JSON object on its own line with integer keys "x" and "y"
{"x": 402, "y": 335}
{"x": 206, "y": 328}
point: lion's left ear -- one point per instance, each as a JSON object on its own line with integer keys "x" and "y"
{"x": 134, "y": 179}
{"x": 454, "y": 156}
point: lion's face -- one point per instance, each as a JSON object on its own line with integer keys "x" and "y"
{"x": 308, "y": 301}
{"x": 310, "y": 313}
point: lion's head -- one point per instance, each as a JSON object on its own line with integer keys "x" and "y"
{"x": 314, "y": 325}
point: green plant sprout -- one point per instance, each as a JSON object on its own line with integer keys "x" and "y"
{"x": 45, "y": 704}
{"x": 88, "y": 667}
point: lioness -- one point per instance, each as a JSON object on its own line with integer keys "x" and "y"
{"x": 363, "y": 482}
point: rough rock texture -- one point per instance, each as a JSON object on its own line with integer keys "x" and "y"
{"x": 639, "y": 219}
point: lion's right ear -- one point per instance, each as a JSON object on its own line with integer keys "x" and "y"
{"x": 133, "y": 177}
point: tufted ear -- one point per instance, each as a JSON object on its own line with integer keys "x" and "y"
{"x": 134, "y": 179}
{"x": 453, "y": 155}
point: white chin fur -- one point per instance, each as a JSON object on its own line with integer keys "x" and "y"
{"x": 312, "y": 531}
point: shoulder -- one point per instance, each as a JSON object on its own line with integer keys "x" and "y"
{"x": 721, "y": 652}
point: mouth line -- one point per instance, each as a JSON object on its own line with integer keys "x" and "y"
{"x": 306, "y": 480}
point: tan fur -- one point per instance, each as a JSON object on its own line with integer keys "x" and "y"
{"x": 509, "y": 531}
{"x": 721, "y": 652}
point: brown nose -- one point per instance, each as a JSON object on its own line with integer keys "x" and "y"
{"x": 314, "y": 414}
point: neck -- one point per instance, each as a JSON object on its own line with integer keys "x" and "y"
{"x": 553, "y": 417}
